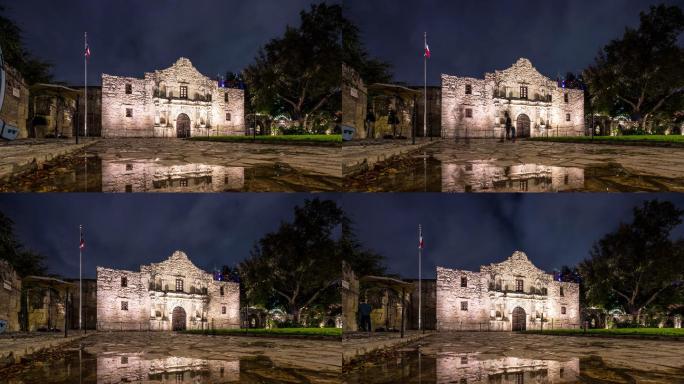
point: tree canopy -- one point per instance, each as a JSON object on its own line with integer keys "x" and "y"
{"x": 638, "y": 264}
{"x": 24, "y": 262}
{"x": 641, "y": 73}
{"x": 300, "y": 72}
{"x": 15, "y": 54}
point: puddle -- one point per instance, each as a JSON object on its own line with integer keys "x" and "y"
{"x": 91, "y": 173}
{"x": 410, "y": 366}
{"x": 425, "y": 173}
{"x": 76, "y": 366}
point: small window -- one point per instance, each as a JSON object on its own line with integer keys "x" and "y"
{"x": 129, "y": 188}
{"x": 223, "y": 310}
{"x": 179, "y": 285}
{"x": 183, "y": 182}
{"x": 225, "y": 97}
{"x": 124, "y": 305}
{"x": 562, "y": 293}
{"x": 519, "y": 285}
{"x": 221, "y": 291}
{"x": 183, "y": 92}
{"x": 129, "y": 112}
{"x": 464, "y": 281}
{"x": 523, "y": 92}
{"x": 565, "y": 97}
{"x": 129, "y": 167}
{"x": 124, "y": 281}
{"x": 544, "y": 291}
{"x": 562, "y": 310}
{"x": 227, "y": 116}
{"x": 464, "y": 360}
{"x": 124, "y": 360}
{"x": 129, "y": 89}
{"x": 469, "y": 112}
{"x": 567, "y": 117}
{"x": 208, "y": 96}
{"x": 464, "y": 305}
{"x": 469, "y": 89}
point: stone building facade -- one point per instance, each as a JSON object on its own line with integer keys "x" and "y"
{"x": 171, "y": 295}
{"x": 10, "y": 297}
{"x": 511, "y": 295}
{"x": 473, "y": 369}
{"x": 16, "y": 101}
{"x": 177, "y": 101}
{"x": 536, "y": 104}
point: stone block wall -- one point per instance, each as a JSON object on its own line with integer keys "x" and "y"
{"x": 111, "y": 295}
{"x": 10, "y": 296}
{"x": 16, "y": 102}
{"x": 115, "y": 103}
{"x": 354, "y": 101}
{"x": 230, "y": 300}
{"x": 350, "y": 299}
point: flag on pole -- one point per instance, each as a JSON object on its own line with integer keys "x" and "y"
{"x": 87, "y": 51}
{"x": 427, "y": 50}
{"x": 420, "y": 241}
{"x": 82, "y": 243}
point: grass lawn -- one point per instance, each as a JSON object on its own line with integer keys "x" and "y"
{"x": 278, "y": 139}
{"x": 669, "y": 139}
{"x": 320, "y": 332}
{"x": 665, "y": 332}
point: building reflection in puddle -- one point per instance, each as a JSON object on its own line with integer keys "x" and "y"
{"x": 467, "y": 368}
{"x": 483, "y": 176}
{"x": 149, "y": 176}
{"x": 132, "y": 367}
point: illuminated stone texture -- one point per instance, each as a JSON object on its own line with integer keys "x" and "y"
{"x": 150, "y": 176}
{"x": 469, "y": 368}
{"x": 172, "y": 294}
{"x": 475, "y": 107}
{"x": 486, "y": 176}
{"x": 154, "y": 106}
{"x": 137, "y": 368}
{"x": 497, "y": 292}
{"x": 15, "y": 106}
{"x": 354, "y": 101}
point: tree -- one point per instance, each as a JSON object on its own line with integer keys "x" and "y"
{"x": 641, "y": 73}
{"x": 24, "y": 262}
{"x": 298, "y": 264}
{"x": 32, "y": 69}
{"x": 638, "y": 263}
{"x": 301, "y": 71}
{"x": 355, "y": 55}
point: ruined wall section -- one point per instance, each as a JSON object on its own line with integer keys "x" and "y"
{"x": 118, "y": 307}
{"x": 10, "y": 296}
{"x": 16, "y": 102}
{"x": 457, "y": 121}
{"x": 451, "y": 315}
{"x": 230, "y": 300}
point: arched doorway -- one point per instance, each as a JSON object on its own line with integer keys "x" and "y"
{"x": 522, "y": 126}
{"x": 178, "y": 319}
{"x": 183, "y": 125}
{"x": 518, "y": 320}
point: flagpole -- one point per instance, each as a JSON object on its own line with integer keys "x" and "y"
{"x": 85, "y": 88}
{"x": 420, "y": 276}
{"x": 425, "y": 90}
{"x": 80, "y": 277}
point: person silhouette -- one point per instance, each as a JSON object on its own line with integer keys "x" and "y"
{"x": 509, "y": 126}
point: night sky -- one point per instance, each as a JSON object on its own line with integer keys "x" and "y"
{"x": 471, "y": 37}
{"x": 130, "y": 37}
{"x": 468, "y": 230}
{"x": 125, "y": 231}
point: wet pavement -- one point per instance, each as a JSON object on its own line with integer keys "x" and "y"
{"x": 525, "y": 166}
{"x": 175, "y": 165}
{"x": 167, "y": 357}
{"x": 484, "y": 357}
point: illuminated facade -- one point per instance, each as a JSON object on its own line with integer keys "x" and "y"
{"x": 486, "y": 176}
{"x": 511, "y": 295}
{"x": 174, "y": 102}
{"x": 536, "y": 104}
{"x": 171, "y": 295}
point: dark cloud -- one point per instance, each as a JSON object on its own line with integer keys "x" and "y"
{"x": 129, "y": 37}
{"x": 469, "y": 230}
{"x": 470, "y": 37}
{"x": 125, "y": 231}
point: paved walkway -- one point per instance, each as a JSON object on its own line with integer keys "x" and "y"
{"x": 27, "y": 154}
{"x": 359, "y": 344}
{"x": 360, "y": 156}
{"x": 13, "y": 347}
